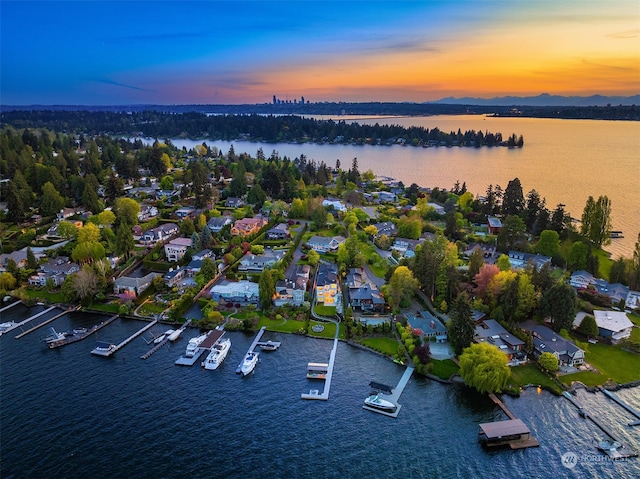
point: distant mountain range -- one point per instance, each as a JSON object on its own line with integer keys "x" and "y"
{"x": 543, "y": 100}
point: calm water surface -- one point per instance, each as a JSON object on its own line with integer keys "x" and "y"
{"x": 566, "y": 161}
{"x": 68, "y": 414}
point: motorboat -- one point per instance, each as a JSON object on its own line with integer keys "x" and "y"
{"x": 163, "y": 336}
{"x": 249, "y": 363}
{"x": 104, "y": 349}
{"x": 55, "y": 336}
{"x": 376, "y": 402}
{"x": 216, "y": 356}
{"x": 193, "y": 345}
{"x": 269, "y": 346}
{"x": 176, "y": 334}
{"x": 4, "y": 327}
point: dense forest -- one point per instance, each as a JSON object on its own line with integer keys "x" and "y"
{"x": 269, "y": 128}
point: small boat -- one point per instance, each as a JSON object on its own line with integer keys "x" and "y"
{"x": 6, "y": 326}
{"x": 163, "y": 336}
{"x": 217, "y": 355}
{"x": 193, "y": 345}
{"x": 55, "y": 336}
{"x": 374, "y": 401}
{"x": 176, "y": 334}
{"x": 104, "y": 348}
{"x": 79, "y": 331}
{"x": 269, "y": 346}
{"x": 249, "y": 363}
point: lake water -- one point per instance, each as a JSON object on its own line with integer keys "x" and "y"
{"x": 566, "y": 161}
{"x": 68, "y": 414}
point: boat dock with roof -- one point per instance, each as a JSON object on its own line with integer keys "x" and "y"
{"x": 212, "y": 338}
{"x": 391, "y": 394}
{"x": 101, "y": 350}
{"x": 512, "y": 432}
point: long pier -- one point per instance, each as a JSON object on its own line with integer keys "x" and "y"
{"x": 502, "y": 406}
{"x": 633, "y": 411}
{"x": 324, "y": 395}
{"x": 394, "y": 396}
{"x": 41, "y": 324}
{"x": 79, "y": 337}
{"x": 126, "y": 341}
{"x": 255, "y": 342}
{"x": 10, "y": 306}
{"x": 160, "y": 345}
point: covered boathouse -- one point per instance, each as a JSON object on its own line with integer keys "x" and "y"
{"x": 512, "y": 432}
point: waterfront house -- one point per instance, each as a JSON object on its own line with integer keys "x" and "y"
{"x": 291, "y": 290}
{"x": 216, "y": 224}
{"x": 427, "y": 325}
{"x": 327, "y": 287}
{"x": 546, "y": 340}
{"x": 55, "y": 268}
{"x": 133, "y": 286}
{"x": 248, "y": 226}
{"x": 323, "y": 244}
{"x": 366, "y": 298}
{"x": 492, "y": 332}
{"x": 176, "y": 248}
{"x": 633, "y": 300}
{"x": 229, "y": 292}
{"x": 259, "y": 262}
{"x": 20, "y": 258}
{"x": 613, "y": 325}
{"x": 582, "y": 279}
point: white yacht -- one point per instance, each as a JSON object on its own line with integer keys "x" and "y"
{"x": 6, "y": 327}
{"x": 216, "y": 356}
{"x": 163, "y": 336}
{"x": 193, "y": 345}
{"x": 249, "y": 363}
{"x": 377, "y": 402}
{"x": 55, "y": 336}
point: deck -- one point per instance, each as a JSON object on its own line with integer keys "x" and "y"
{"x": 394, "y": 396}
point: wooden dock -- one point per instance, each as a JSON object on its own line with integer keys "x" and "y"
{"x": 324, "y": 395}
{"x": 255, "y": 342}
{"x": 394, "y": 396}
{"x": 502, "y": 406}
{"x": 10, "y": 306}
{"x": 521, "y": 440}
{"x": 633, "y": 411}
{"x": 79, "y": 337}
{"x": 41, "y": 324}
{"x": 155, "y": 349}
{"x": 126, "y": 341}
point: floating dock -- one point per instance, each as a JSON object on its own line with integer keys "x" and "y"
{"x": 100, "y": 351}
{"x": 255, "y": 343}
{"x": 79, "y": 337}
{"x": 614, "y": 443}
{"x": 324, "y": 395}
{"x": 10, "y": 306}
{"x": 212, "y": 338}
{"x": 633, "y": 411}
{"x": 29, "y": 319}
{"x": 393, "y": 396}
{"x": 160, "y": 345}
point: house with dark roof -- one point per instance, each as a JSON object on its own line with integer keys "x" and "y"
{"x": 386, "y": 228}
{"x": 159, "y": 233}
{"x": 278, "y": 232}
{"x": 427, "y": 325}
{"x": 233, "y": 202}
{"x": 217, "y": 223}
{"x": 494, "y": 224}
{"x": 173, "y": 277}
{"x": 327, "y": 285}
{"x": 366, "y": 298}
{"x": 491, "y": 331}
{"x": 291, "y": 289}
{"x": 259, "y": 262}
{"x": 546, "y": 340}
{"x": 133, "y": 286}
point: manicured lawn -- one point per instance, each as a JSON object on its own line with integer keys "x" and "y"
{"x": 605, "y": 262}
{"x": 635, "y": 335}
{"x": 589, "y": 378}
{"x": 621, "y": 366}
{"x": 106, "y": 307}
{"x": 328, "y": 311}
{"x": 388, "y": 346}
{"x": 46, "y": 295}
{"x": 635, "y": 319}
{"x": 328, "y": 332}
{"x": 444, "y": 369}
{"x": 281, "y": 326}
{"x": 150, "y": 309}
{"x": 531, "y": 374}
{"x": 379, "y": 265}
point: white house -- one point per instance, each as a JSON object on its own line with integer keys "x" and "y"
{"x": 236, "y": 292}
{"x": 176, "y": 248}
{"x": 325, "y": 244}
{"x": 613, "y": 324}
{"x": 334, "y": 203}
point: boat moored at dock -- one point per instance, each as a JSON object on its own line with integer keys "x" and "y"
{"x": 194, "y": 344}
{"x": 376, "y": 402}
{"x": 55, "y": 337}
{"x": 249, "y": 363}
{"x": 218, "y": 352}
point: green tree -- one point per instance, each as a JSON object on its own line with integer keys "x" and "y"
{"x": 549, "y": 243}
{"x": 7, "y": 281}
{"x": 313, "y": 257}
{"x": 52, "y": 202}
{"x": 66, "y": 229}
{"x": 634, "y": 269}
{"x": 589, "y": 327}
{"x": 267, "y": 289}
{"x": 527, "y": 298}
{"x": 208, "y": 269}
{"x": 126, "y": 211}
{"x": 256, "y": 195}
{"x": 88, "y": 233}
{"x": 124, "y": 240}
{"x": 484, "y": 367}
{"x": 476, "y": 260}
{"x": 512, "y": 234}
{"x": 596, "y": 221}
{"x": 402, "y": 286}
{"x": 559, "y": 303}
{"x": 106, "y": 218}
{"x": 461, "y": 327}
{"x": 548, "y": 361}
{"x": 32, "y": 262}
{"x": 15, "y": 204}
{"x": 513, "y": 199}
{"x": 88, "y": 252}
{"x": 503, "y": 263}
{"x": 578, "y": 256}
{"x": 409, "y": 228}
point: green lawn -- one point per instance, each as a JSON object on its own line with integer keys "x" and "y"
{"x": 149, "y": 309}
{"x": 635, "y": 319}
{"x": 605, "y": 262}
{"x": 531, "y": 374}
{"x": 281, "y": 326}
{"x": 378, "y": 265}
{"x": 322, "y": 310}
{"x": 329, "y": 330}
{"x": 106, "y": 307}
{"x": 444, "y": 369}
{"x": 45, "y": 295}
{"x": 635, "y": 335}
{"x": 589, "y": 378}
{"x": 614, "y": 363}
{"x": 388, "y": 346}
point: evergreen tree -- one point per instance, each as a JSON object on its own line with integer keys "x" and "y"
{"x": 267, "y": 288}
{"x": 589, "y": 327}
{"x": 513, "y": 199}
{"x": 124, "y": 240}
{"x": 461, "y": 326}
{"x": 559, "y": 303}
{"x": 32, "y": 263}
{"x": 14, "y": 204}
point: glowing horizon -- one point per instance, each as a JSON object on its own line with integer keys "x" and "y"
{"x": 245, "y": 52}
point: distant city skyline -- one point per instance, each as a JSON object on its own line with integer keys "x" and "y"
{"x": 167, "y": 52}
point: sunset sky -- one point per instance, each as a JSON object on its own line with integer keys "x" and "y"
{"x": 165, "y": 52}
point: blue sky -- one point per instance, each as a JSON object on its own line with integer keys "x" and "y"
{"x": 165, "y": 52}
